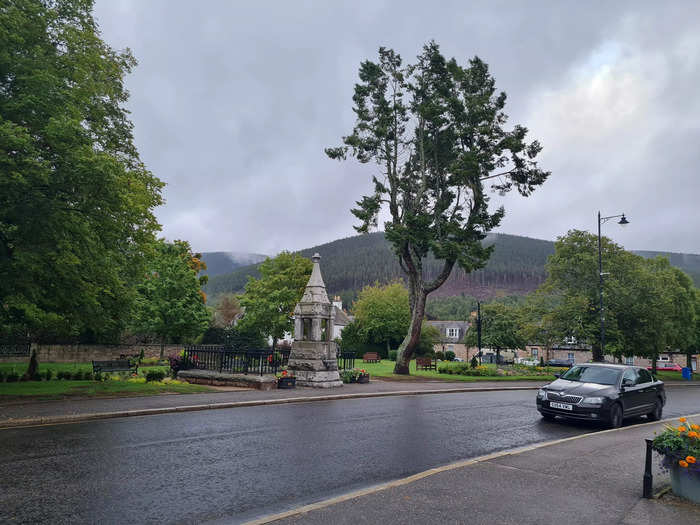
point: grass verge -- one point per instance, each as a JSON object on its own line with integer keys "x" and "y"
{"x": 44, "y": 390}
{"x": 385, "y": 369}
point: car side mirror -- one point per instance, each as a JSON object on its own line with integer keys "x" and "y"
{"x": 627, "y": 382}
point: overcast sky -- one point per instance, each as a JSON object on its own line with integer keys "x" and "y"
{"x": 233, "y": 103}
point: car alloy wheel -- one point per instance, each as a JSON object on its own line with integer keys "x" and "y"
{"x": 616, "y": 416}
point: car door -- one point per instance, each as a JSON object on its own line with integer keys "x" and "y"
{"x": 647, "y": 390}
{"x": 631, "y": 393}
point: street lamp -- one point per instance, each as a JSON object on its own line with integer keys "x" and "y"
{"x": 602, "y": 220}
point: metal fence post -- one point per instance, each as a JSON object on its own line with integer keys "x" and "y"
{"x": 648, "y": 479}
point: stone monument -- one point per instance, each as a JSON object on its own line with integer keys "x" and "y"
{"x": 313, "y": 358}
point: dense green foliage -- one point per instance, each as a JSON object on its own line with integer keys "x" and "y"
{"x": 170, "y": 305}
{"x": 270, "y": 300}
{"x": 499, "y": 329}
{"x": 75, "y": 200}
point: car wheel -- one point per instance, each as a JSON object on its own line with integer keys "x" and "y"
{"x": 657, "y": 413}
{"x": 548, "y": 417}
{"x": 615, "y": 416}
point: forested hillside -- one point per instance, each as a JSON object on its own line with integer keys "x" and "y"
{"x": 220, "y": 263}
{"x": 515, "y": 268}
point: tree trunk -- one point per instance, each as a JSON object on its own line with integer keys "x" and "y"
{"x": 412, "y": 339}
{"x": 597, "y": 353}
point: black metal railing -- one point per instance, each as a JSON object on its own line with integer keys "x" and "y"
{"x": 346, "y": 360}
{"x": 232, "y": 361}
{"x": 14, "y": 349}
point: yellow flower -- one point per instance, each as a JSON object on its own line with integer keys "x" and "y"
{"x": 695, "y": 427}
{"x": 682, "y": 420}
{"x": 683, "y": 463}
{"x": 690, "y": 459}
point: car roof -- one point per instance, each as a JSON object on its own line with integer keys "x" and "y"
{"x": 607, "y": 365}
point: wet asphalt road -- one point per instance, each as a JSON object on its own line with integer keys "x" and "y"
{"x": 227, "y": 466}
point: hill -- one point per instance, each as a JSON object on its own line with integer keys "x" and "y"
{"x": 515, "y": 268}
{"x": 220, "y": 263}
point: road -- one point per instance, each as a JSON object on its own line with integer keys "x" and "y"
{"x": 227, "y": 466}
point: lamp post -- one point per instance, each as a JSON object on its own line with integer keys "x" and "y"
{"x": 478, "y": 328}
{"x": 602, "y": 220}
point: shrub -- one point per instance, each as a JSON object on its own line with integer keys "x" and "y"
{"x": 542, "y": 362}
{"x": 449, "y": 355}
{"x": 155, "y": 375}
{"x": 62, "y": 374}
{"x": 150, "y": 361}
{"x": 465, "y": 369}
{"x": 77, "y": 375}
{"x": 48, "y": 374}
{"x": 474, "y": 362}
{"x": 393, "y": 354}
{"x": 98, "y": 376}
{"x": 12, "y": 377}
{"x": 440, "y": 355}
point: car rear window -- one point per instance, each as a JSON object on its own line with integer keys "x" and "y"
{"x": 592, "y": 374}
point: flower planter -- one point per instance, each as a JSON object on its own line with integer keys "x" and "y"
{"x": 685, "y": 483}
{"x": 286, "y": 382}
{"x": 363, "y": 378}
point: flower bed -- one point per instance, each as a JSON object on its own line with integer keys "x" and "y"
{"x": 680, "y": 448}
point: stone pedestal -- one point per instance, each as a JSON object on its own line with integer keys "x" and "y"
{"x": 313, "y": 357}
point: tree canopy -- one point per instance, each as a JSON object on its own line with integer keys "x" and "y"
{"x": 499, "y": 328}
{"x": 269, "y": 301}
{"x": 436, "y": 131}
{"x": 76, "y": 202}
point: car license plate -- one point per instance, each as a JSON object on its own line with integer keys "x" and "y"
{"x": 563, "y": 406}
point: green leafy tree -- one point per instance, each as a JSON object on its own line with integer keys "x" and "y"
{"x": 269, "y": 301}
{"x": 500, "y": 329}
{"x": 436, "y": 131}
{"x": 76, "y": 202}
{"x": 170, "y": 304}
{"x": 382, "y": 313}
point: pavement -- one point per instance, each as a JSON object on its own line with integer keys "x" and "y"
{"x": 23, "y": 413}
{"x": 589, "y": 479}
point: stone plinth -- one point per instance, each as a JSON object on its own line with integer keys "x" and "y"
{"x": 314, "y": 364}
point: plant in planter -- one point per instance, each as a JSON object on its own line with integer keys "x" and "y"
{"x": 680, "y": 447}
{"x": 362, "y": 376}
{"x": 286, "y": 380}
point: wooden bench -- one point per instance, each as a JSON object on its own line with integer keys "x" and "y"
{"x": 115, "y": 365}
{"x": 426, "y": 363}
{"x": 371, "y": 357}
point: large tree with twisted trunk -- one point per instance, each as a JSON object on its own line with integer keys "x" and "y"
{"x": 435, "y": 130}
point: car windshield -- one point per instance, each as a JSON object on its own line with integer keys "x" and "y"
{"x": 592, "y": 374}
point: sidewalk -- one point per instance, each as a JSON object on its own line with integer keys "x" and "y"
{"x": 592, "y": 479}
{"x": 42, "y": 412}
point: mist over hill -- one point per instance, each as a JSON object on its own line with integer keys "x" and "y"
{"x": 220, "y": 263}
{"x": 517, "y": 267}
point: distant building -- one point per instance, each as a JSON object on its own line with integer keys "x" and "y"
{"x": 451, "y": 337}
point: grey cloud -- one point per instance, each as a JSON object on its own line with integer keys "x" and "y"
{"x": 233, "y": 103}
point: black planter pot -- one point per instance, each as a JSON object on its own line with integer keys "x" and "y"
{"x": 286, "y": 382}
{"x": 363, "y": 378}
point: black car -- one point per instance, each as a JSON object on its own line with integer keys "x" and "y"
{"x": 603, "y": 392}
{"x": 560, "y": 362}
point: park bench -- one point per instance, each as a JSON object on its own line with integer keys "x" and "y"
{"x": 371, "y": 357}
{"x": 426, "y": 363}
{"x": 115, "y": 365}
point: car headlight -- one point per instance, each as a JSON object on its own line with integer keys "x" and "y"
{"x": 541, "y": 394}
{"x": 593, "y": 400}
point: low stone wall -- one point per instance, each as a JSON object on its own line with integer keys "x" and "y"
{"x": 209, "y": 377}
{"x": 86, "y": 353}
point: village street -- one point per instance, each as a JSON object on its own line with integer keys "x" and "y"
{"x": 233, "y": 465}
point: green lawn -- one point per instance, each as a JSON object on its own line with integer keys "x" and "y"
{"x": 668, "y": 375}
{"x": 55, "y": 389}
{"x": 58, "y": 389}
{"x": 385, "y": 369}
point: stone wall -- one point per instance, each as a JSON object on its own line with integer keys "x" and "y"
{"x": 86, "y": 353}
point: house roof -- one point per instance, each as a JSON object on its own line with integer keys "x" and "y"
{"x": 341, "y": 318}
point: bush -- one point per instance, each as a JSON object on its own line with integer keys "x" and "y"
{"x": 63, "y": 375}
{"x": 77, "y": 375}
{"x": 440, "y": 355}
{"x": 2, "y": 376}
{"x": 449, "y": 355}
{"x": 48, "y": 374}
{"x": 542, "y": 362}
{"x": 393, "y": 354}
{"x": 155, "y": 375}
{"x": 464, "y": 369}
{"x": 474, "y": 362}
{"x": 12, "y": 377}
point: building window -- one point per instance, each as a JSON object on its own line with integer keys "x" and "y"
{"x": 453, "y": 332}
{"x": 629, "y": 361}
{"x": 450, "y": 348}
{"x": 534, "y": 352}
{"x": 664, "y": 358}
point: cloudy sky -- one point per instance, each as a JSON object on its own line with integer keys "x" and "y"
{"x": 233, "y": 103}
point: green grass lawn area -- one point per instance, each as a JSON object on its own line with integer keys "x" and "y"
{"x": 55, "y": 389}
{"x": 668, "y": 375}
{"x": 385, "y": 369}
